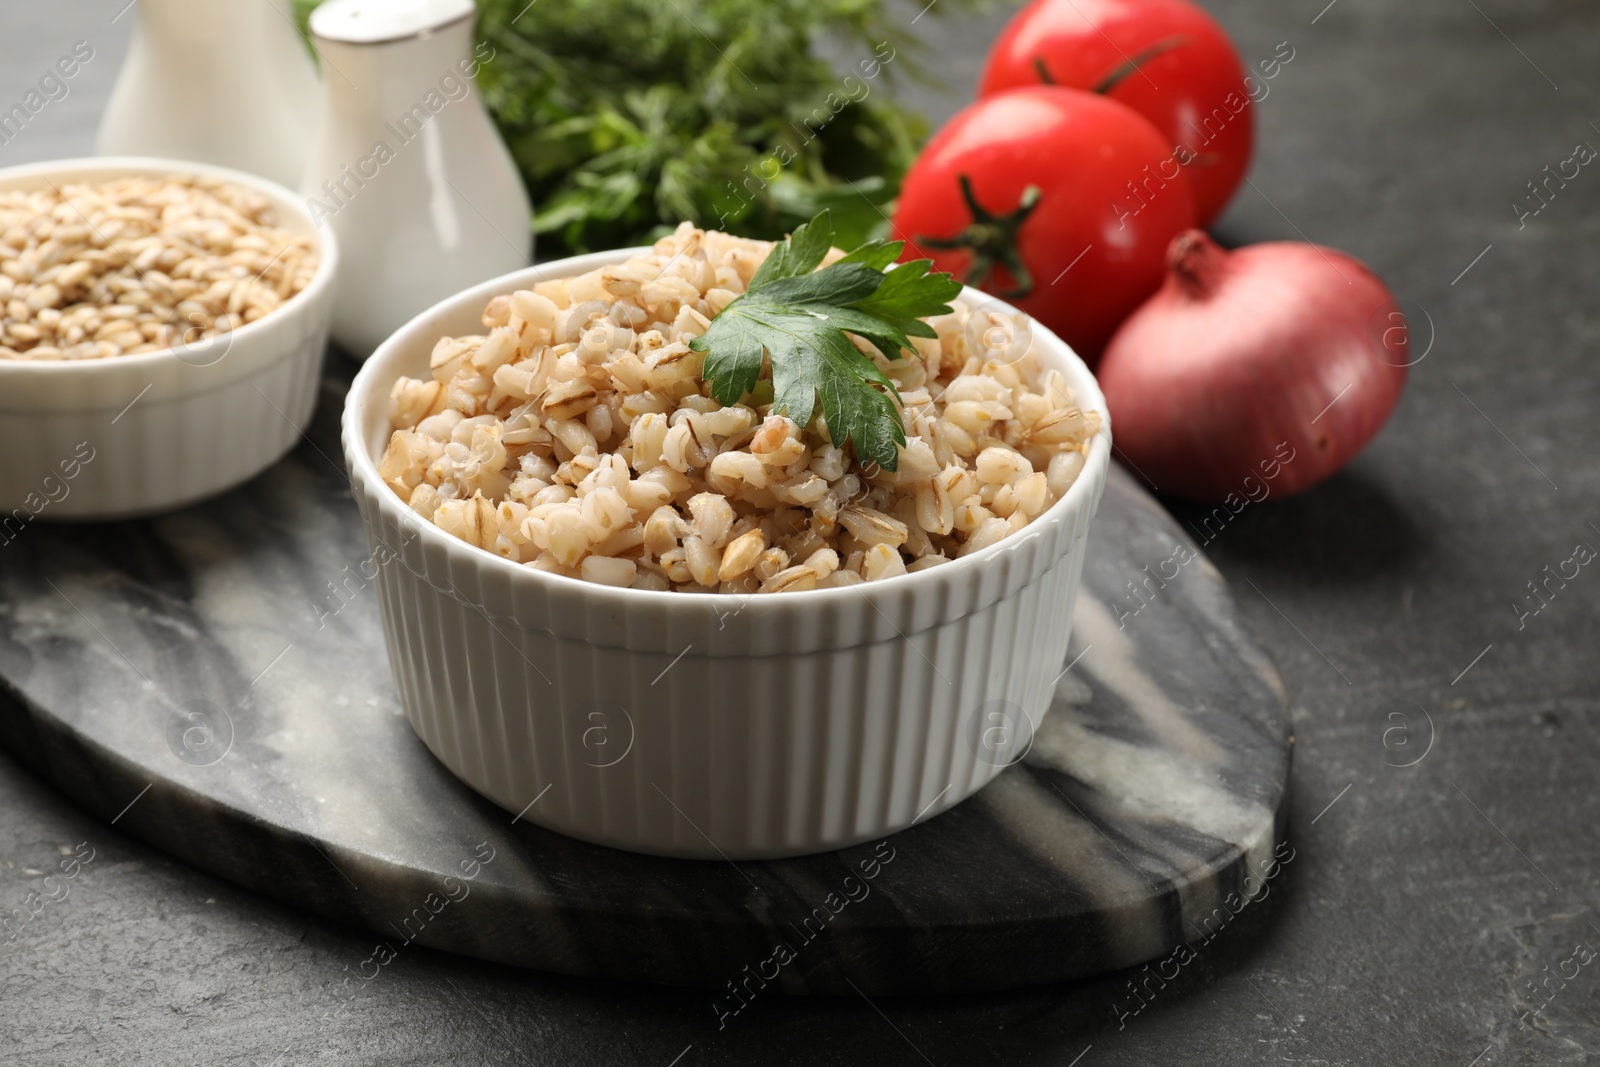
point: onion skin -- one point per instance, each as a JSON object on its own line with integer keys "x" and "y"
{"x": 1239, "y": 361}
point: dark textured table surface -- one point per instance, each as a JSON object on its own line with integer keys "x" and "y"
{"x": 1424, "y": 901}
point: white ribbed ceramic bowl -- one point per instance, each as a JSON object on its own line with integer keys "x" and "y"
{"x": 705, "y": 725}
{"x": 132, "y": 435}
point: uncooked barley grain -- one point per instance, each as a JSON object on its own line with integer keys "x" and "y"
{"x": 91, "y": 270}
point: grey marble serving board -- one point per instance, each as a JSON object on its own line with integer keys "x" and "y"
{"x": 215, "y": 682}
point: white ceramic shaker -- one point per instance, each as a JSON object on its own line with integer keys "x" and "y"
{"x": 228, "y": 82}
{"x": 410, "y": 172}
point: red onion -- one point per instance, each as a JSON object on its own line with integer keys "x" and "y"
{"x": 1275, "y": 363}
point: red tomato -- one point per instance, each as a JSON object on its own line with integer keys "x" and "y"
{"x": 1052, "y": 199}
{"x": 1167, "y": 59}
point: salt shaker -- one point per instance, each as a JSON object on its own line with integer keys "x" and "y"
{"x": 229, "y": 83}
{"x": 409, "y": 172}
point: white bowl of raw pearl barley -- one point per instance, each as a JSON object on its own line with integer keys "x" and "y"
{"x": 162, "y": 329}
{"x": 627, "y": 612}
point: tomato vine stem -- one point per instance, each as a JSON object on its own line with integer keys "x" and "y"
{"x": 992, "y": 240}
{"x": 1121, "y": 72}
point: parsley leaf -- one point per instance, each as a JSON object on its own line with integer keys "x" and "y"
{"x": 799, "y": 317}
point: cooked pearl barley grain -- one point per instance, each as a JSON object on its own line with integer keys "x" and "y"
{"x": 90, "y": 270}
{"x": 577, "y": 436}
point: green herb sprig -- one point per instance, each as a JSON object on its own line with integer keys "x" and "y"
{"x": 626, "y": 117}
{"x": 800, "y": 317}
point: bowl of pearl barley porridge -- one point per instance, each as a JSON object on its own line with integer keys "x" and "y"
{"x": 660, "y": 612}
{"x": 162, "y": 328}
